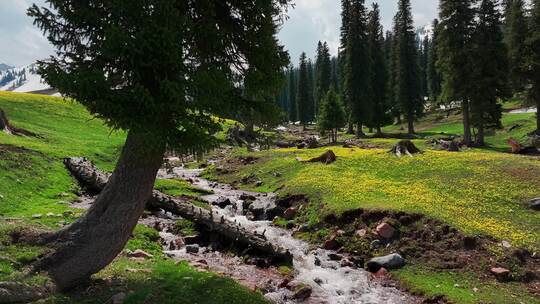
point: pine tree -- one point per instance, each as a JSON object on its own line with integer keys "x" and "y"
{"x": 303, "y": 94}
{"x": 424, "y": 60}
{"x": 433, "y": 73}
{"x": 454, "y": 52}
{"x": 378, "y": 77}
{"x": 358, "y": 67}
{"x": 516, "y": 31}
{"x": 342, "y": 53}
{"x": 533, "y": 60}
{"x": 312, "y": 110}
{"x": 161, "y": 71}
{"x": 332, "y": 115}
{"x": 336, "y": 77}
{"x": 293, "y": 90}
{"x": 324, "y": 71}
{"x": 490, "y": 70}
{"x": 407, "y": 69}
{"x": 391, "y": 57}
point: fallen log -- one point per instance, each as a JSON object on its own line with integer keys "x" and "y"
{"x": 7, "y": 128}
{"x": 89, "y": 175}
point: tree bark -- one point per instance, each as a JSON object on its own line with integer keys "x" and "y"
{"x": 93, "y": 241}
{"x": 480, "y": 137}
{"x": 410, "y": 123}
{"x": 538, "y": 116}
{"x": 359, "y": 131}
{"x": 467, "y": 135}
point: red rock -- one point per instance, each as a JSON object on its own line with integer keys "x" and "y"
{"x": 385, "y": 231}
{"x": 284, "y": 283}
{"x": 331, "y": 243}
{"x": 502, "y": 274}
{"x": 290, "y": 213}
{"x": 381, "y": 274}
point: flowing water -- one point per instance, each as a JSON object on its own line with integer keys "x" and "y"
{"x": 330, "y": 282}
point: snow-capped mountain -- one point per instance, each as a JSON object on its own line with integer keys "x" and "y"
{"x": 22, "y": 79}
{"x": 4, "y": 67}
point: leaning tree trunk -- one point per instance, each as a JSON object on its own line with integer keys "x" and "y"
{"x": 467, "y": 135}
{"x": 93, "y": 241}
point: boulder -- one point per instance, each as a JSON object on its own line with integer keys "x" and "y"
{"x": 385, "y": 230}
{"x": 192, "y": 239}
{"x": 534, "y": 204}
{"x": 335, "y": 257}
{"x": 192, "y": 248}
{"x": 290, "y": 213}
{"x": 381, "y": 274}
{"x": 500, "y": 273}
{"x": 302, "y": 293}
{"x": 392, "y": 261}
{"x": 222, "y": 202}
{"x": 265, "y": 210}
{"x": 331, "y": 244}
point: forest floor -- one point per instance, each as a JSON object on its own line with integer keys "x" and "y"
{"x": 480, "y": 193}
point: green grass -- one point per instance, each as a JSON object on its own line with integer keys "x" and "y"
{"x": 461, "y": 287}
{"x": 478, "y": 192}
{"x": 34, "y": 181}
{"x": 178, "y": 187}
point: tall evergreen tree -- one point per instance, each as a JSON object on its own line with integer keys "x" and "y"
{"x": 533, "y": 60}
{"x": 332, "y": 115}
{"x": 380, "y": 111}
{"x": 516, "y": 31}
{"x": 424, "y": 61}
{"x": 433, "y": 74}
{"x": 358, "y": 67}
{"x": 342, "y": 53}
{"x": 454, "y": 50}
{"x": 336, "y": 78}
{"x": 293, "y": 89}
{"x": 324, "y": 71}
{"x": 312, "y": 109}
{"x": 161, "y": 71}
{"x": 391, "y": 60}
{"x": 407, "y": 69}
{"x": 490, "y": 70}
{"x": 303, "y": 95}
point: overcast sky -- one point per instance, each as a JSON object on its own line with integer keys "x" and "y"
{"x": 310, "y": 21}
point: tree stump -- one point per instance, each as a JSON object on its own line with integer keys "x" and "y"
{"x": 326, "y": 158}
{"x": 405, "y": 147}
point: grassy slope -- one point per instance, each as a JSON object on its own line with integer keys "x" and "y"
{"x": 34, "y": 181}
{"x": 478, "y": 191}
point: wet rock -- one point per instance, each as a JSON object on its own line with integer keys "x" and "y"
{"x": 118, "y": 298}
{"x": 192, "y": 248}
{"x": 347, "y": 263}
{"x": 176, "y": 244}
{"x": 290, "y": 225}
{"x": 317, "y": 261}
{"x": 376, "y": 244}
{"x": 534, "y": 204}
{"x": 303, "y": 228}
{"x": 290, "y": 213}
{"x": 192, "y": 239}
{"x": 335, "y": 257}
{"x": 385, "y": 230}
{"x": 500, "y": 273}
{"x": 302, "y": 293}
{"x": 392, "y": 261}
{"x": 381, "y": 273}
{"x": 140, "y": 254}
{"x": 318, "y": 281}
{"x": 331, "y": 243}
{"x": 358, "y": 261}
{"x": 222, "y": 202}
{"x": 265, "y": 210}
{"x": 284, "y": 284}
{"x": 247, "y": 197}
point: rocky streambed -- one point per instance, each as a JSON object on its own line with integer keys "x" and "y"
{"x": 318, "y": 275}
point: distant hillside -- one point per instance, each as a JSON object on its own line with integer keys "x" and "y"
{"x": 22, "y": 79}
{"x": 4, "y": 67}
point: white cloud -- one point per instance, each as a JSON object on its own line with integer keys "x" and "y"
{"x": 314, "y": 20}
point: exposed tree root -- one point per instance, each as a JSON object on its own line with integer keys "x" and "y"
{"x": 92, "y": 177}
{"x": 6, "y": 127}
{"x": 32, "y": 236}
{"x": 406, "y": 147}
